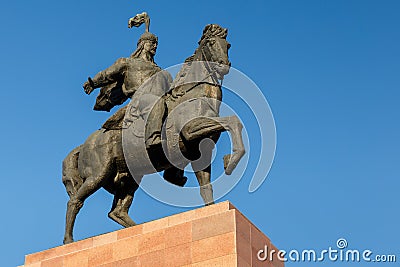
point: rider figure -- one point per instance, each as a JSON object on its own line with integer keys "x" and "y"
{"x": 132, "y": 73}
{"x": 139, "y": 73}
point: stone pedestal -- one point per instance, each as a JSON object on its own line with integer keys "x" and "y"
{"x": 217, "y": 235}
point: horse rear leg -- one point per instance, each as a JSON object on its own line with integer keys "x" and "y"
{"x": 203, "y": 127}
{"x": 122, "y": 202}
{"x": 89, "y": 186}
{"x": 70, "y": 174}
{"x": 72, "y": 182}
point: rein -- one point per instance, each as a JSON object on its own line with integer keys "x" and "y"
{"x": 208, "y": 67}
{"x": 211, "y": 73}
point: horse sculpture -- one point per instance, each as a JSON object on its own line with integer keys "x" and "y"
{"x": 116, "y": 160}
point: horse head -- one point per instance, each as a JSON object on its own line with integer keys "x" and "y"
{"x": 213, "y": 48}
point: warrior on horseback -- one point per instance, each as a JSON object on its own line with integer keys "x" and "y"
{"x": 121, "y": 80}
{"x": 116, "y": 158}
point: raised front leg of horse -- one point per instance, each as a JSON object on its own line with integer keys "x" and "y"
{"x": 204, "y": 127}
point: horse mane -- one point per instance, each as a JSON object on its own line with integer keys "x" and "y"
{"x": 191, "y": 58}
{"x": 210, "y": 30}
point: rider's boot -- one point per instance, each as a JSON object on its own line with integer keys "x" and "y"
{"x": 175, "y": 176}
{"x": 154, "y": 125}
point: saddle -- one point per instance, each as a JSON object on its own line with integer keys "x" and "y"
{"x": 116, "y": 120}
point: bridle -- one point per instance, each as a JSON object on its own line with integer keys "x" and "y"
{"x": 210, "y": 69}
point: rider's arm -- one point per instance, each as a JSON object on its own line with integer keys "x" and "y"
{"x": 112, "y": 74}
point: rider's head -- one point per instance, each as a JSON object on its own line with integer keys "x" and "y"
{"x": 147, "y": 44}
{"x": 147, "y": 36}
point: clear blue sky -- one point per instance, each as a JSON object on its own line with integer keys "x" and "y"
{"x": 329, "y": 69}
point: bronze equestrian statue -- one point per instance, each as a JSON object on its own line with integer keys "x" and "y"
{"x": 117, "y": 156}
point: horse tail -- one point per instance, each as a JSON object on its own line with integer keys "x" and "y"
{"x": 70, "y": 174}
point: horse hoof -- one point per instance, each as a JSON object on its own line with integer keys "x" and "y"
{"x": 121, "y": 218}
{"x": 231, "y": 161}
{"x": 68, "y": 241}
{"x": 209, "y": 203}
{"x": 227, "y": 158}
